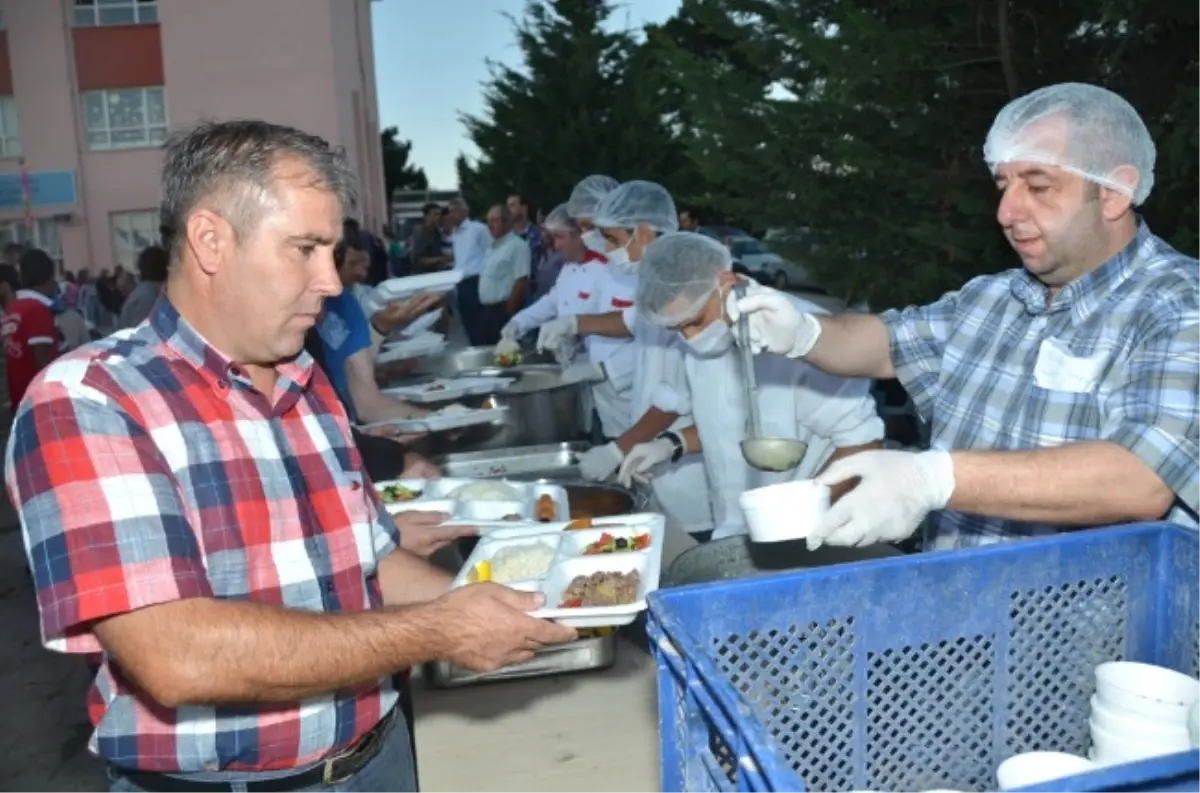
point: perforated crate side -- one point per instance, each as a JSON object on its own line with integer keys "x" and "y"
{"x": 926, "y": 672}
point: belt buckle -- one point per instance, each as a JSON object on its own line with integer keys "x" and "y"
{"x": 327, "y": 777}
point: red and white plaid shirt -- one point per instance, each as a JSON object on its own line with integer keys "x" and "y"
{"x": 147, "y": 469}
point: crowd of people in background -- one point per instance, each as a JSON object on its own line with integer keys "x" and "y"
{"x": 47, "y": 310}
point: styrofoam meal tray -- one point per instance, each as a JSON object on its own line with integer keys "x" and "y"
{"x": 440, "y": 422}
{"x": 422, "y": 323}
{"x": 437, "y": 495}
{"x": 403, "y": 350}
{"x": 570, "y": 562}
{"x": 399, "y": 288}
{"x": 451, "y": 388}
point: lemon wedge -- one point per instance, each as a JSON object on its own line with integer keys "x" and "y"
{"x": 483, "y": 571}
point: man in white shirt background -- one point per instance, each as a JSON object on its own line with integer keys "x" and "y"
{"x": 471, "y": 242}
{"x": 504, "y": 278}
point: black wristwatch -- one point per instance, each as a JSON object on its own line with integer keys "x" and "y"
{"x": 676, "y": 442}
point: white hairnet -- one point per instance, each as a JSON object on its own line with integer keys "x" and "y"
{"x": 678, "y": 274}
{"x": 1084, "y": 129}
{"x": 635, "y": 203}
{"x": 559, "y": 219}
{"x": 589, "y": 191}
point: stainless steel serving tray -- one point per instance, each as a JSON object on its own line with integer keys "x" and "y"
{"x": 592, "y": 653}
{"x": 553, "y": 460}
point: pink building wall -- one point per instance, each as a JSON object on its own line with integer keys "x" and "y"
{"x": 305, "y": 63}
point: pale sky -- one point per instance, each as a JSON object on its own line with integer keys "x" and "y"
{"x": 430, "y": 65}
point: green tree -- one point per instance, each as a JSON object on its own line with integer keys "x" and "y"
{"x": 862, "y": 121}
{"x": 398, "y": 172}
{"x": 583, "y": 100}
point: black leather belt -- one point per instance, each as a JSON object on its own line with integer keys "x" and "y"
{"x": 329, "y": 772}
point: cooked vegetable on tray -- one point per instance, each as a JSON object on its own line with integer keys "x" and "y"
{"x": 605, "y": 588}
{"x": 610, "y": 544}
{"x": 510, "y": 359}
{"x": 398, "y": 492}
{"x": 579, "y": 523}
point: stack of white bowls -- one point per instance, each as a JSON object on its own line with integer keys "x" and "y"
{"x": 1140, "y": 711}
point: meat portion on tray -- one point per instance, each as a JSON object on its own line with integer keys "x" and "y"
{"x": 604, "y": 588}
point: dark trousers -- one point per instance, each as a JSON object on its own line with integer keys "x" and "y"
{"x": 467, "y": 295}
{"x": 491, "y": 322}
{"x": 383, "y": 458}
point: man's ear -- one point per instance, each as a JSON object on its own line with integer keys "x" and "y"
{"x": 1114, "y": 204}
{"x": 209, "y": 238}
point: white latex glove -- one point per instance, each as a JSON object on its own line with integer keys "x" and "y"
{"x": 898, "y": 489}
{"x": 510, "y": 331}
{"x": 507, "y": 347}
{"x": 642, "y": 458}
{"x": 600, "y": 462}
{"x": 775, "y": 324}
{"x": 558, "y": 333}
{"x": 583, "y": 373}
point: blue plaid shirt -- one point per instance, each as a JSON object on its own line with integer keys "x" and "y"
{"x": 1115, "y": 356}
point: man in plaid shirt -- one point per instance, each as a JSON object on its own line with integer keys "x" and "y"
{"x": 193, "y": 506}
{"x": 1061, "y": 394}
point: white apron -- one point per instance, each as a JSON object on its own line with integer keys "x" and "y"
{"x": 659, "y": 379}
{"x": 795, "y": 401}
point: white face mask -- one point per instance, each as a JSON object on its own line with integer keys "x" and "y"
{"x": 714, "y": 340}
{"x": 619, "y": 258}
{"x": 594, "y": 241}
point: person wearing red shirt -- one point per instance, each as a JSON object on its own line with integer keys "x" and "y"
{"x": 31, "y": 339}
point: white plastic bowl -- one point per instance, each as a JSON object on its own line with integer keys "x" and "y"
{"x": 1147, "y": 690}
{"x": 1134, "y": 725}
{"x": 1193, "y": 724}
{"x": 786, "y": 511}
{"x": 1110, "y": 749}
{"x": 1032, "y": 768}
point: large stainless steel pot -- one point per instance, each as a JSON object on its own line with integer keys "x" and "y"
{"x": 541, "y": 410}
{"x": 554, "y": 463}
{"x": 737, "y": 557}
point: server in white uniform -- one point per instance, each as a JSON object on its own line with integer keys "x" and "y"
{"x": 683, "y": 282}
{"x": 631, "y": 218}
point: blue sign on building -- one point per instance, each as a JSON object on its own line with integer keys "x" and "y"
{"x": 46, "y": 188}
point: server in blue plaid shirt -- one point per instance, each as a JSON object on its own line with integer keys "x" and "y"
{"x": 1062, "y": 393}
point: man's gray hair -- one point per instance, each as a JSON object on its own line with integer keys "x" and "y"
{"x": 460, "y": 203}
{"x": 232, "y": 167}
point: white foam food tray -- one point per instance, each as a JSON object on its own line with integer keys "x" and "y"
{"x": 399, "y": 288}
{"x": 422, "y": 323}
{"x": 571, "y": 561}
{"x": 403, "y": 350}
{"x": 449, "y": 388}
{"x": 438, "y": 495}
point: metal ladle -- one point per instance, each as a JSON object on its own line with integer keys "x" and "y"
{"x": 765, "y": 454}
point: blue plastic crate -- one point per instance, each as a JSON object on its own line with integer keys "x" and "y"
{"x": 922, "y": 672}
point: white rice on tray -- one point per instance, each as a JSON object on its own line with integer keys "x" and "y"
{"x": 521, "y": 562}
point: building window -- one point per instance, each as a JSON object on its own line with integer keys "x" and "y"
{"x": 44, "y": 235}
{"x": 132, "y": 232}
{"x": 89, "y": 13}
{"x": 125, "y": 118}
{"x": 10, "y": 140}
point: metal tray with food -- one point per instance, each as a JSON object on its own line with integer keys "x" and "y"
{"x": 489, "y": 504}
{"x": 596, "y": 649}
{"x": 448, "y": 388}
{"x": 591, "y": 577}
